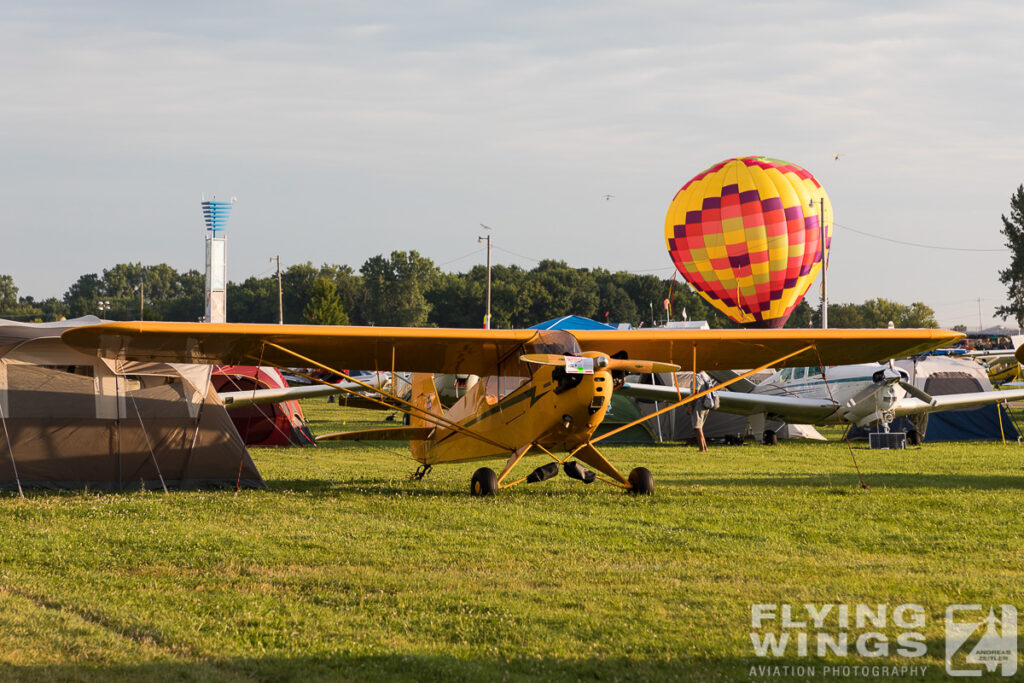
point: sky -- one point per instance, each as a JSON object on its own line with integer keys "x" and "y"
{"x": 350, "y": 129}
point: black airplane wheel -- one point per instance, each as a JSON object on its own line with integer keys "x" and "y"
{"x": 484, "y": 482}
{"x": 642, "y": 481}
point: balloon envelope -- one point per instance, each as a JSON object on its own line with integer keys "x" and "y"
{"x": 745, "y": 234}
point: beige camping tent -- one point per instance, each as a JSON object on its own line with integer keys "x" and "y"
{"x": 71, "y": 420}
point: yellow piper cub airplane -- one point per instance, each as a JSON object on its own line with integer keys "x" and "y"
{"x": 541, "y": 390}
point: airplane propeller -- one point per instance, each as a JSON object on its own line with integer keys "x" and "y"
{"x": 892, "y": 373}
{"x": 917, "y": 393}
{"x": 639, "y": 367}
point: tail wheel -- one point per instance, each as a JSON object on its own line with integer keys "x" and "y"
{"x": 484, "y": 482}
{"x": 642, "y": 481}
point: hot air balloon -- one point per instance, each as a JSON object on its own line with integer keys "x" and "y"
{"x": 745, "y": 234}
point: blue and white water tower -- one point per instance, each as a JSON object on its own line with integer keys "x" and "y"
{"x": 216, "y": 216}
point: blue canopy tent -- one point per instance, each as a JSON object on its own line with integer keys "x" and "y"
{"x": 572, "y": 322}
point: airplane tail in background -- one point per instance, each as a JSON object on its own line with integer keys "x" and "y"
{"x": 424, "y": 396}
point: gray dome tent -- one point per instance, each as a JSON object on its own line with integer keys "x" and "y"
{"x": 71, "y": 420}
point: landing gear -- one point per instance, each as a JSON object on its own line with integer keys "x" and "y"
{"x": 913, "y": 438}
{"x": 642, "y": 481}
{"x": 770, "y": 438}
{"x": 484, "y": 482}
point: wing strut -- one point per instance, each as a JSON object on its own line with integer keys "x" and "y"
{"x": 593, "y": 457}
{"x": 824, "y": 378}
{"x": 439, "y": 420}
{"x": 512, "y": 461}
{"x": 693, "y": 397}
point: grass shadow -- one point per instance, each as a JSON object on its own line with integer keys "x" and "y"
{"x": 873, "y": 479}
{"x": 394, "y": 667}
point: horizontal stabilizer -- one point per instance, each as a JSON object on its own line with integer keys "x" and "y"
{"x": 382, "y": 434}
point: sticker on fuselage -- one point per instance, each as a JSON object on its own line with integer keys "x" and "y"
{"x": 577, "y": 365}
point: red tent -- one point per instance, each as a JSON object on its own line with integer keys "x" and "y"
{"x": 275, "y": 424}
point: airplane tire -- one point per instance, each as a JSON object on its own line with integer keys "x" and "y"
{"x": 642, "y": 481}
{"x": 770, "y": 438}
{"x": 913, "y": 438}
{"x": 484, "y": 482}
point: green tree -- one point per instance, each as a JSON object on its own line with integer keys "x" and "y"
{"x": 845, "y": 316}
{"x": 451, "y": 304}
{"x": 876, "y": 313}
{"x": 395, "y": 289}
{"x": 349, "y": 286}
{"x": 558, "y": 290}
{"x": 324, "y": 307}
{"x": 1013, "y": 276}
{"x": 253, "y": 301}
{"x": 189, "y": 304}
{"x": 83, "y": 297}
{"x": 296, "y": 283}
{"x": 803, "y": 316}
{"x": 918, "y": 315}
{"x": 8, "y": 293}
{"x": 53, "y": 309}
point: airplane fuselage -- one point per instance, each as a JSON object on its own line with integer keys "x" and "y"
{"x": 553, "y": 409}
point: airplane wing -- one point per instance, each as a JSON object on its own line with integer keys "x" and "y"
{"x": 479, "y": 352}
{"x": 382, "y": 434}
{"x": 913, "y": 406}
{"x": 786, "y": 408}
{"x": 241, "y": 399}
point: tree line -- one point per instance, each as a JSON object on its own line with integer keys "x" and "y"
{"x": 407, "y": 289}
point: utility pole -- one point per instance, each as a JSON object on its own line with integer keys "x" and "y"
{"x": 487, "y": 316}
{"x": 280, "y": 295}
{"x": 979, "y": 314}
{"x": 141, "y": 289}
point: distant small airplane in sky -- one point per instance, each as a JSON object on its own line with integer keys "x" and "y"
{"x": 836, "y": 156}
{"x": 608, "y": 196}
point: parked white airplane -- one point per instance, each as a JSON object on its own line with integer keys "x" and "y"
{"x": 857, "y": 394}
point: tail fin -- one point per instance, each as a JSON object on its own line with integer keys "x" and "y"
{"x": 424, "y": 396}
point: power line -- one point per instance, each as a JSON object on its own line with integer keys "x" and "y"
{"x": 650, "y": 270}
{"x": 630, "y": 270}
{"x": 913, "y": 244}
{"x": 475, "y": 251}
{"x": 528, "y": 258}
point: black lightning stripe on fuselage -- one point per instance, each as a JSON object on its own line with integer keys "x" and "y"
{"x": 534, "y": 393}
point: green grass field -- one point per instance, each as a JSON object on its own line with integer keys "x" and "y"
{"x": 346, "y": 570}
